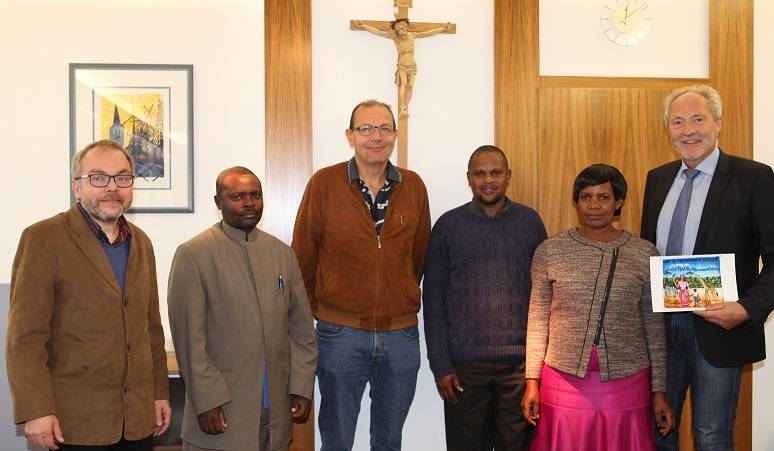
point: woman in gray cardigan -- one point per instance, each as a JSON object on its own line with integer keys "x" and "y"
{"x": 596, "y": 358}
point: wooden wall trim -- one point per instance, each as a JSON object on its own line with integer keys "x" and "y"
{"x": 288, "y": 111}
{"x": 731, "y": 71}
{"x": 516, "y": 54}
{"x": 288, "y": 122}
{"x": 618, "y": 82}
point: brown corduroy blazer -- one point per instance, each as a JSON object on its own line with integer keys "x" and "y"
{"x": 77, "y": 347}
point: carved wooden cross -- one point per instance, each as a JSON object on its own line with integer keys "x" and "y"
{"x": 403, "y": 34}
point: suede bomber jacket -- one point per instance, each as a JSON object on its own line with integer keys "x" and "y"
{"x": 353, "y": 277}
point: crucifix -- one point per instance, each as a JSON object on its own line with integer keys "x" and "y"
{"x": 403, "y": 33}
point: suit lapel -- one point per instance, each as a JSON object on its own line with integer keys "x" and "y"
{"x": 89, "y": 245}
{"x": 718, "y": 185}
{"x": 662, "y": 182}
{"x": 132, "y": 271}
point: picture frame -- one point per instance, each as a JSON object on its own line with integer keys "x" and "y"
{"x": 148, "y": 109}
{"x": 683, "y": 283}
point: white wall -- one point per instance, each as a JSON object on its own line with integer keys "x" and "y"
{"x": 38, "y": 39}
{"x": 763, "y": 144}
{"x": 452, "y": 110}
{"x": 452, "y": 113}
{"x": 572, "y": 42}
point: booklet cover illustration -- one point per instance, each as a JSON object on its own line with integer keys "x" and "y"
{"x": 685, "y": 283}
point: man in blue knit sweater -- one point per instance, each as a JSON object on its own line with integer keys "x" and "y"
{"x": 476, "y": 299}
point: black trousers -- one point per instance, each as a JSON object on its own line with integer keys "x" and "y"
{"x": 487, "y": 414}
{"x": 145, "y": 444}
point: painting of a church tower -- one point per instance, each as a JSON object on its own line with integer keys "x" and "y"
{"x": 147, "y": 109}
{"x": 137, "y": 123}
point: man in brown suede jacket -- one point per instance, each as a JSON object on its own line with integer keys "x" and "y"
{"x": 360, "y": 237}
{"x": 85, "y": 359}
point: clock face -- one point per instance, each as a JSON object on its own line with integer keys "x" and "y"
{"x": 625, "y": 22}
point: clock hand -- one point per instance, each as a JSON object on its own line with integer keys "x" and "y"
{"x": 634, "y": 11}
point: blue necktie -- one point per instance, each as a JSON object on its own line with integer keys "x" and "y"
{"x": 677, "y": 227}
{"x": 265, "y": 389}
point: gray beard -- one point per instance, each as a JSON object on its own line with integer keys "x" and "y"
{"x": 95, "y": 213}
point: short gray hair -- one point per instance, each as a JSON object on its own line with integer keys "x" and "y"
{"x": 75, "y": 164}
{"x": 708, "y": 92}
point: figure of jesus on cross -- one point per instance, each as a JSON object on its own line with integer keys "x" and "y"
{"x": 403, "y": 33}
{"x": 406, "y": 72}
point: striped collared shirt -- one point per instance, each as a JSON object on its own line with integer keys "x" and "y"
{"x": 377, "y": 206}
{"x": 123, "y": 229}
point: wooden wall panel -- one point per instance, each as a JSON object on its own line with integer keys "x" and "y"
{"x": 580, "y": 126}
{"x": 731, "y": 73}
{"x": 553, "y": 128}
{"x": 516, "y": 83}
{"x": 288, "y": 66}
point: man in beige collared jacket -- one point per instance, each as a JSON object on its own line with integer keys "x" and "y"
{"x": 241, "y": 323}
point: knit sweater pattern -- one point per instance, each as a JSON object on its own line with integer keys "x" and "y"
{"x": 569, "y": 276}
{"x": 477, "y": 285}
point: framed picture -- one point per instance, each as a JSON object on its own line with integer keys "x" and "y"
{"x": 692, "y": 282}
{"x": 148, "y": 109}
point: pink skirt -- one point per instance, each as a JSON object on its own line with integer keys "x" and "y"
{"x": 590, "y": 415}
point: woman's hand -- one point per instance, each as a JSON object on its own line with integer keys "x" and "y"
{"x": 662, "y": 413}
{"x": 530, "y": 402}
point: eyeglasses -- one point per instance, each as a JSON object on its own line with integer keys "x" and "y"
{"x": 368, "y": 130}
{"x": 103, "y": 180}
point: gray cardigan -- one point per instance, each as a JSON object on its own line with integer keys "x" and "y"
{"x": 569, "y": 274}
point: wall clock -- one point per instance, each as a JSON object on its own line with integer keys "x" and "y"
{"x": 625, "y": 22}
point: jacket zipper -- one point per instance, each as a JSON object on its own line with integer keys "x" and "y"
{"x": 379, "y": 264}
{"x": 378, "y": 269}
{"x": 603, "y": 309}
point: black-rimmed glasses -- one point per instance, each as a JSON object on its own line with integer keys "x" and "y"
{"x": 103, "y": 180}
{"x": 368, "y": 130}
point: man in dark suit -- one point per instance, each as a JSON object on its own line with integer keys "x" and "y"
{"x": 726, "y": 208}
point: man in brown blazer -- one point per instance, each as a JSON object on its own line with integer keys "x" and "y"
{"x": 242, "y": 328}
{"x": 85, "y": 345}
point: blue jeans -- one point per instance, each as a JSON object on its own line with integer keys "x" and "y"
{"x": 347, "y": 359}
{"x": 714, "y": 391}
